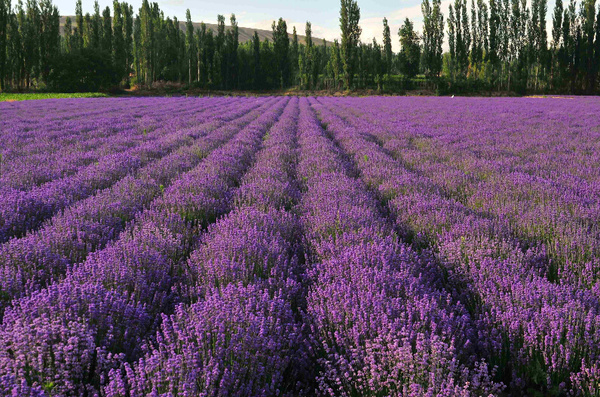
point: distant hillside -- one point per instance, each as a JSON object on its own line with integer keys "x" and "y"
{"x": 245, "y": 33}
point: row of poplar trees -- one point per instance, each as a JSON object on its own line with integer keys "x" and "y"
{"x": 112, "y": 48}
{"x": 505, "y": 45}
{"x": 494, "y": 45}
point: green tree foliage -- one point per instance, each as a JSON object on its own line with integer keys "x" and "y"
{"x": 146, "y": 43}
{"x": 128, "y": 39}
{"x": 410, "y": 53}
{"x": 492, "y": 45}
{"x": 232, "y": 41}
{"x": 493, "y": 34}
{"x": 68, "y": 36}
{"x": 49, "y": 35}
{"x": 334, "y": 65}
{"x": 349, "y": 19}
{"x": 201, "y": 47}
{"x": 106, "y": 42}
{"x": 190, "y": 44}
{"x": 294, "y": 55}
{"x": 308, "y": 60}
{"x": 452, "y": 64}
{"x": 4, "y": 25}
{"x": 589, "y": 62}
{"x": 388, "y": 56}
{"x": 78, "y": 35}
{"x": 119, "y": 51}
{"x": 433, "y": 37}
{"x": 257, "y": 75}
{"x": 281, "y": 49}
{"x": 96, "y": 27}
{"x": 86, "y": 70}
{"x": 377, "y": 66}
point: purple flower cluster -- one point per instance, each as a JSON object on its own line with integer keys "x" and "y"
{"x": 378, "y": 326}
{"x": 541, "y": 333}
{"x": 137, "y": 270}
{"x": 299, "y": 246}
{"x": 240, "y": 335}
{"x": 88, "y": 225}
{"x": 23, "y": 210}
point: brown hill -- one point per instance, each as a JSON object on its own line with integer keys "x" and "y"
{"x": 245, "y": 33}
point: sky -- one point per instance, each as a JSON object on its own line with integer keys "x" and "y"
{"x": 323, "y": 14}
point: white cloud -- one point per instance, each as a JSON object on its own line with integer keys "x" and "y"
{"x": 373, "y": 27}
{"x": 175, "y": 3}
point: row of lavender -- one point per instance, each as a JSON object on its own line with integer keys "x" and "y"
{"x": 88, "y": 225}
{"x": 65, "y": 338}
{"x": 23, "y": 210}
{"x": 47, "y": 143}
{"x": 260, "y": 311}
{"x": 289, "y": 247}
{"x": 541, "y": 333}
{"x": 531, "y": 164}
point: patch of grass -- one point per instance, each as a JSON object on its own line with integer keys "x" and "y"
{"x": 8, "y": 97}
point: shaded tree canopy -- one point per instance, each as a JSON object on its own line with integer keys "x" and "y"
{"x": 481, "y": 45}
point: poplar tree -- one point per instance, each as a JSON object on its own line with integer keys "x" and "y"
{"x": 4, "y": 23}
{"x": 281, "y": 48}
{"x": 294, "y": 54}
{"x": 119, "y": 53}
{"x": 14, "y": 55}
{"x": 452, "y": 42}
{"x": 190, "y": 46}
{"x": 232, "y": 53}
{"x": 349, "y": 19}
{"x": 257, "y": 75}
{"x": 96, "y": 27}
{"x": 538, "y": 39}
{"x": 49, "y": 36}
{"x": 20, "y": 52}
{"x": 137, "y": 49}
{"x": 377, "y": 65}
{"x": 568, "y": 30}
{"x": 146, "y": 39}
{"x": 493, "y": 37}
{"x": 78, "y": 36}
{"x": 31, "y": 41}
{"x": 466, "y": 35}
{"x": 316, "y": 63}
{"x": 337, "y": 62}
{"x": 475, "y": 56}
{"x": 128, "y": 42}
{"x": 462, "y": 37}
{"x": 219, "y": 65}
{"x": 557, "y": 25}
{"x": 483, "y": 26}
{"x": 433, "y": 36}
{"x": 87, "y": 30}
{"x": 387, "y": 47}
{"x": 201, "y": 47}
{"x": 410, "y": 52}
{"x": 308, "y": 56}
{"x": 106, "y": 31}
{"x": 68, "y": 36}
{"x": 588, "y": 24}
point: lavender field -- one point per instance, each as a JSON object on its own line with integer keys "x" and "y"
{"x": 266, "y": 246}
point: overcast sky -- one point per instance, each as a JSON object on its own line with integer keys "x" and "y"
{"x": 323, "y": 14}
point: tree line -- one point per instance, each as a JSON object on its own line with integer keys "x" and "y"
{"x": 494, "y": 45}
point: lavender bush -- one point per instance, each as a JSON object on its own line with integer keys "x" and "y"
{"x": 300, "y": 246}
